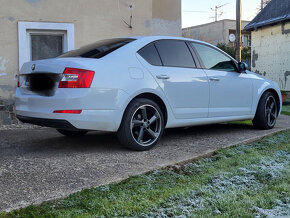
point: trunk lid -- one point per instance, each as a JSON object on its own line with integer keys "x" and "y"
{"x": 43, "y": 76}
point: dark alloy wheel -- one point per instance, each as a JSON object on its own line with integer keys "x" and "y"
{"x": 142, "y": 125}
{"x": 271, "y": 111}
{"x": 267, "y": 112}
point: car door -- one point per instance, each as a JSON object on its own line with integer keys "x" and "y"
{"x": 231, "y": 92}
{"x": 185, "y": 86}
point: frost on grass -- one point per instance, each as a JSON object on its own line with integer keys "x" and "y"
{"x": 177, "y": 206}
{"x": 226, "y": 185}
{"x": 184, "y": 205}
{"x": 104, "y": 188}
{"x": 283, "y": 154}
{"x": 271, "y": 168}
{"x": 281, "y": 210}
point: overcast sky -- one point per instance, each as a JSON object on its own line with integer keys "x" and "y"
{"x": 202, "y": 12}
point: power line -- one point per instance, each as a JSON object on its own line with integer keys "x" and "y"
{"x": 197, "y": 11}
{"x": 216, "y": 8}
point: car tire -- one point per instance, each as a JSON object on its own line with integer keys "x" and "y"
{"x": 267, "y": 112}
{"x": 142, "y": 125}
{"x": 72, "y": 133}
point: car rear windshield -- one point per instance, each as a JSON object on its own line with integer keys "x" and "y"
{"x": 98, "y": 49}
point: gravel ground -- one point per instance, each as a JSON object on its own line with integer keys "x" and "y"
{"x": 38, "y": 164}
{"x": 19, "y": 126}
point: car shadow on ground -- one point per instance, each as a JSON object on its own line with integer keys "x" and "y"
{"x": 207, "y": 129}
{"x": 48, "y": 140}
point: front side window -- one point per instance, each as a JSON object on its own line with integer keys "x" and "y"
{"x": 175, "y": 53}
{"x": 150, "y": 54}
{"x": 98, "y": 49}
{"x": 213, "y": 59}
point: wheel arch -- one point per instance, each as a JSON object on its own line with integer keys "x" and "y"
{"x": 276, "y": 95}
{"x": 154, "y": 97}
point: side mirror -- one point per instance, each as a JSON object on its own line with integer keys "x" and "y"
{"x": 242, "y": 67}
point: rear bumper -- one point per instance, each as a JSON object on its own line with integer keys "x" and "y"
{"x": 102, "y": 109}
{"x": 104, "y": 120}
{"x": 58, "y": 124}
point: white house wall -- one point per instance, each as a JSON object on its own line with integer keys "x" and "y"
{"x": 93, "y": 20}
{"x": 166, "y": 17}
{"x": 271, "y": 53}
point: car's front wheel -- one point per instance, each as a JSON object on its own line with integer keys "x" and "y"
{"x": 267, "y": 112}
{"x": 72, "y": 133}
{"x": 142, "y": 125}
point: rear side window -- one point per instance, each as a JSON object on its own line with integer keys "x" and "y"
{"x": 98, "y": 49}
{"x": 150, "y": 54}
{"x": 175, "y": 53}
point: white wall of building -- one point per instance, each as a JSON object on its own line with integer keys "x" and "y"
{"x": 271, "y": 53}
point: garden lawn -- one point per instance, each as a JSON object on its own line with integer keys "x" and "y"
{"x": 245, "y": 180}
{"x": 286, "y": 110}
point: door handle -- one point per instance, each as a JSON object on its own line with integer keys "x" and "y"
{"x": 214, "y": 79}
{"x": 163, "y": 76}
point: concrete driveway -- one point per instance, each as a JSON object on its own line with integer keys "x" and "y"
{"x": 40, "y": 164}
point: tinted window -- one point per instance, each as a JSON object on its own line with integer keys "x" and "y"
{"x": 174, "y": 53}
{"x": 98, "y": 49}
{"x": 213, "y": 59}
{"x": 150, "y": 54}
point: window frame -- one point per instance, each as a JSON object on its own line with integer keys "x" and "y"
{"x": 222, "y": 52}
{"x": 45, "y": 32}
{"x": 25, "y": 28}
{"x": 192, "y": 52}
{"x": 149, "y": 44}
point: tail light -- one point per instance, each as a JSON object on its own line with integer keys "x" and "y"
{"x": 76, "y": 78}
{"x": 67, "y": 111}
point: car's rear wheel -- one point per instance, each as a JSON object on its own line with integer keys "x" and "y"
{"x": 142, "y": 125}
{"x": 267, "y": 112}
{"x": 72, "y": 133}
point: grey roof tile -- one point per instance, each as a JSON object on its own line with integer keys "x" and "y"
{"x": 276, "y": 11}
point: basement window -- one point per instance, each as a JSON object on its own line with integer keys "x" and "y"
{"x": 45, "y": 45}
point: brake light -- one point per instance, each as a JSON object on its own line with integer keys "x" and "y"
{"x": 67, "y": 111}
{"x": 76, "y": 78}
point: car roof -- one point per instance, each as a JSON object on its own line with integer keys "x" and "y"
{"x": 155, "y": 38}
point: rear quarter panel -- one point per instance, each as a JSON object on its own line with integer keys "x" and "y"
{"x": 129, "y": 75}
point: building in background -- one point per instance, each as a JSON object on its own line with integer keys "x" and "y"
{"x": 270, "y": 31}
{"x": 38, "y": 29}
{"x": 217, "y": 32}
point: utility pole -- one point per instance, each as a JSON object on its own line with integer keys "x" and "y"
{"x": 262, "y": 4}
{"x": 216, "y": 14}
{"x": 238, "y": 31}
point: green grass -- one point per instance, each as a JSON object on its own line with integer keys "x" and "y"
{"x": 286, "y": 110}
{"x": 243, "y": 122}
{"x": 242, "y": 181}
